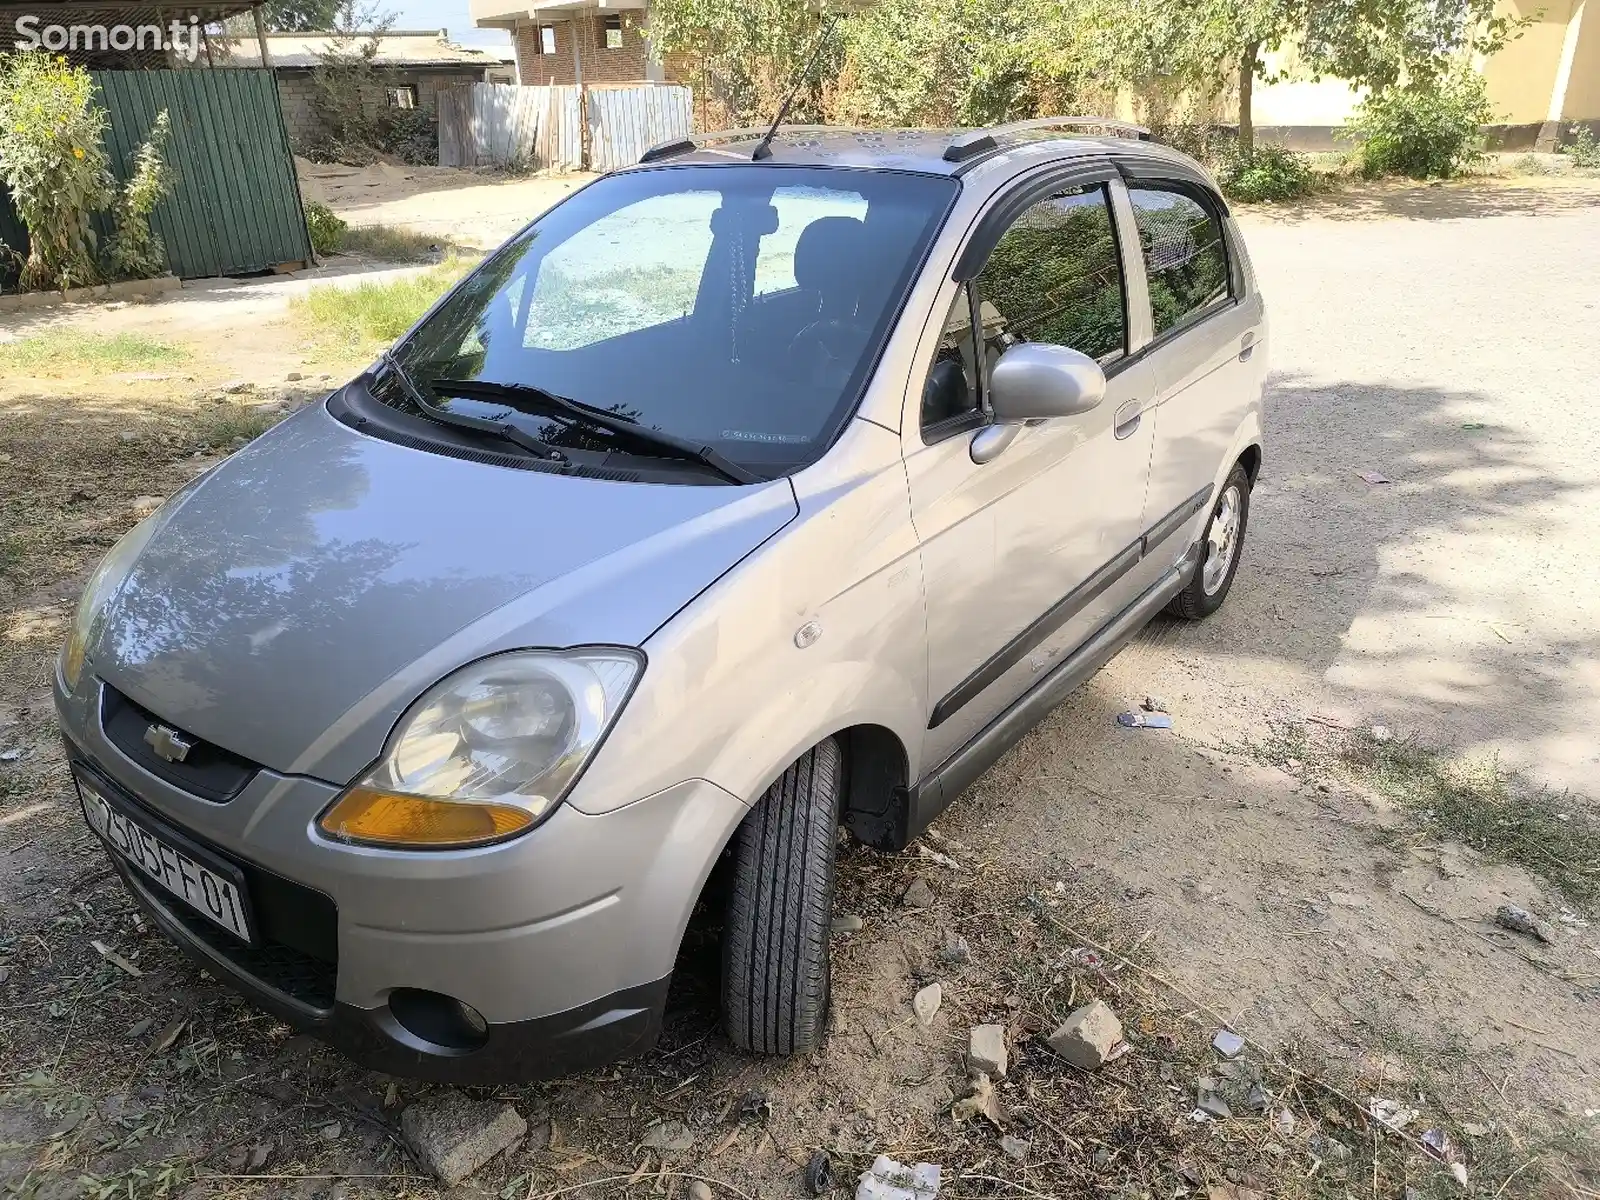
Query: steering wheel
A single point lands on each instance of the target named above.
(825, 348)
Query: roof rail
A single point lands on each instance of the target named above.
(686, 145)
(979, 141)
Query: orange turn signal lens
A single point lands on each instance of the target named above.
(386, 819)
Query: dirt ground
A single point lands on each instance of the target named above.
(1246, 867)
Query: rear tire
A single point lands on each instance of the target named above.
(775, 945)
(1220, 550)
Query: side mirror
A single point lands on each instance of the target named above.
(1037, 382)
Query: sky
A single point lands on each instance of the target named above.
(446, 14)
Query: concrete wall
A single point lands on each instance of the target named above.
(586, 35)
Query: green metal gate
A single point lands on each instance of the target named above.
(235, 207)
(236, 204)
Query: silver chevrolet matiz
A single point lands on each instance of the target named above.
(773, 484)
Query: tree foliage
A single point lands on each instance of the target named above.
(299, 16)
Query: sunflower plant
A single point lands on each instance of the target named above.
(53, 162)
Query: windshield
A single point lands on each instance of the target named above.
(739, 308)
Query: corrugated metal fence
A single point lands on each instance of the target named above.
(625, 122)
(496, 124)
(502, 125)
(235, 206)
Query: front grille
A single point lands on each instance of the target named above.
(208, 771)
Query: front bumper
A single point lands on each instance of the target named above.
(561, 941)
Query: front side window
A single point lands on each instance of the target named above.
(950, 392)
(1185, 256)
(1056, 276)
(741, 307)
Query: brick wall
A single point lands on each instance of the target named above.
(586, 35)
(297, 96)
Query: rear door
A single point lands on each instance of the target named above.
(1025, 530)
(1205, 330)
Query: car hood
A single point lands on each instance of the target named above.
(292, 605)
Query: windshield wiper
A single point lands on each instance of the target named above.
(504, 430)
(526, 398)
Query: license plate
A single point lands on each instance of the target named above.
(212, 890)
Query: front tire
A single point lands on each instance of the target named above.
(1219, 550)
(775, 945)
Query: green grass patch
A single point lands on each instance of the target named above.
(374, 314)
(1554, 834)
(390, 243)
(58, 350)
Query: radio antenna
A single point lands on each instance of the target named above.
(764, 146)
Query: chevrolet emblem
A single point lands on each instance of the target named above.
(168, 743)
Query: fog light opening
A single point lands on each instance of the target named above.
(440, 1019)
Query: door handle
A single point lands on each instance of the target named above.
(1247, 347)
(1127, 419)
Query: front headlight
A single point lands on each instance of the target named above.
(107, 577)
(488, 752)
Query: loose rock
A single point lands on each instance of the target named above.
(1088, 1036)
(1348, 899)
(331, 1132)
(235, 386)
(956, 949)
(453, 1136)
(1155, 704)
(849, 923)
(926, 1003)
(669, 1136)
(5, 973)
(294, 377)
(986, 1050)
(1520, 920)
(1210, 1101)
(918, 895)
(1015, 1147)
(700, 1190)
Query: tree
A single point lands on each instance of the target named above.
(743, 56)
(962, 62)
(1199, 48)
(299, 16)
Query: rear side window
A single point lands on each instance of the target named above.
(1185, 255)
(1055, 276)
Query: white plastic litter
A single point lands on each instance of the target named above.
(890, 1180)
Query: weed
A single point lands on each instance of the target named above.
(10, 553)
(58, 350)
(374, 314)
(1269, 174)
(1530, 164)
(325, 228)
(390, 243)
(1430, 131)
(225, 424)
(1583, 149)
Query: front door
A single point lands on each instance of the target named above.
(1023, 550)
